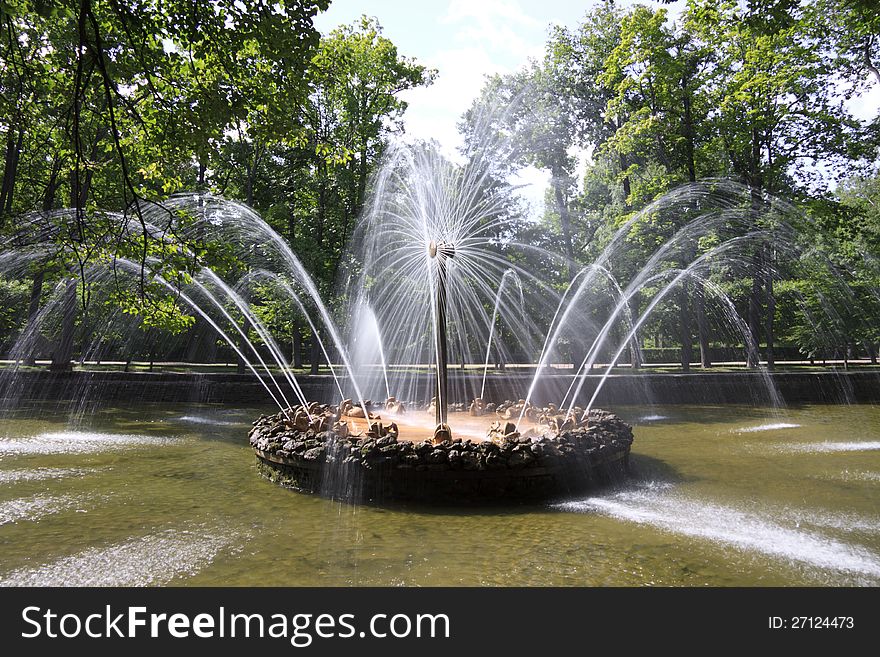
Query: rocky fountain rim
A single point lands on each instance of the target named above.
(375, 466)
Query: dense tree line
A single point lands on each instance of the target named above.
(115, 105)
(749, 91)
(118, 104)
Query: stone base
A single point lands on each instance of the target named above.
(480, 487)
(365, 469)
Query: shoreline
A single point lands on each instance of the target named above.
(749, 387)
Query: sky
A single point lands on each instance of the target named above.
(465, 40)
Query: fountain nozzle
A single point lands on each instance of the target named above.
(441, 249)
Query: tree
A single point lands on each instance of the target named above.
(120, 102)
(313, 188)
(549, 109)
(578, 58)
(132, 91)
(655, 75)
(852, 28)
(777, 112)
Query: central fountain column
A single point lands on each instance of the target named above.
(441, 252)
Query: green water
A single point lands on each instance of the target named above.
(170, 496)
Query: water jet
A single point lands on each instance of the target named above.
(439, 279)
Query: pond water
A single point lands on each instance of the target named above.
(721, 496)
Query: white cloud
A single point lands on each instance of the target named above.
(465, 40)
(489, 12)
(433, 110)
(496, 37)
(485, 37)
(534, 183)
(497, 25)
(866, 105)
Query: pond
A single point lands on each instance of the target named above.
(169, 495)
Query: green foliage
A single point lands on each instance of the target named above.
(116, 105)
(313, 191)
(752, 91)
(13, 305)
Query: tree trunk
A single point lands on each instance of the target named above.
(82, 188)
(296, 345)
(252, 174)
(315, 355)
(558, 183)
(10, 173)
(754, 337)
(33, 310)
(635, 356)
(249, 187)
(64, 350)
(40, 275)
(363, 171)
(291, 227)
(578, 348)
(702, 326)
(688, 134)
(190, 351)
(321, 209)
(699, 294)
(684, 314)
(52, 186)
(769, 334)
(240, 365)
(866, 56)
(83, 192)
(627, 190)
(758, 276)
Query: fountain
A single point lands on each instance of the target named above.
(437, 279)
(424, 232)
(151, 472)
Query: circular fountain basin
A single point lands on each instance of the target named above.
(403, 465)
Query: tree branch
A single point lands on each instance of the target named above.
(869, 64)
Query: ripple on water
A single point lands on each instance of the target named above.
(748, 531)
(846, 475)
(79, 442)
(41, 474)
(34, 508)
(772, 426)
(832, 446)
(150, 560)
(198, 419)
